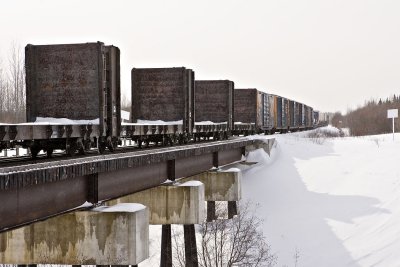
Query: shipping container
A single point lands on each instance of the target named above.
(74, 81)
(215, 101)
(165, 94)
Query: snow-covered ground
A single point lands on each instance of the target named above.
(329, 202)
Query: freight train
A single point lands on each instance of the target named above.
(73, 103)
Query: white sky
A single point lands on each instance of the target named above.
(330, 54)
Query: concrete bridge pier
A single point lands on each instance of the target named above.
(117, 235)
(220, 185)
(175, 203)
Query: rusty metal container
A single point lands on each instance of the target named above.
(165, 94)
(247, 106)
(215, 101)
(74, 81)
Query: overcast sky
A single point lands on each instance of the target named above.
(330, 54)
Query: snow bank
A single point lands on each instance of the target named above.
(335, 204)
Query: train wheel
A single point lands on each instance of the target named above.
(70, 149)
(49, 152)
(34, 151)
(139, 142)
(101, 147)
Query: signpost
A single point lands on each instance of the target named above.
(392, 114)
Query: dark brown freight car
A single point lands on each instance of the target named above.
(214, 101)
(165, 94)
(74, 81)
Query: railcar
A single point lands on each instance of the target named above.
(80, 82)
(214, 105)
(254, 111)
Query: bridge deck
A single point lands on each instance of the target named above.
(35, 191)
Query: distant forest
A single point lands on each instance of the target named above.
(369, 119)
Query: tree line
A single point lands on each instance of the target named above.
(369, 119)
(12, 86)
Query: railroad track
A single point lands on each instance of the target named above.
(61, 156)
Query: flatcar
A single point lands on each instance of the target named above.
(80, 82)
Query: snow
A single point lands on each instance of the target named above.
(125, 115)
(239, 122)
(121, 207)
(209, 123)
(332, 202)
(63, 121)
(191, 183)
(231, 170)
(157, 122)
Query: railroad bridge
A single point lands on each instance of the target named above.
(40, 200)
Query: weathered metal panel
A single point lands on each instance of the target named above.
(74, 81)
(62, 81)
(25, 204)
(269, 111)
(163, 94)
(259, 110)
(291, 114)
(185, 167)
(245, 105)
(279, 112)
(130, 180)
(229, 156)
(215, 101)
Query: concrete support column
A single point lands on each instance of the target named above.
(211, 211)
(180, 203)
(191, 258)
(232, 209)
(166, 246)
(102, 236)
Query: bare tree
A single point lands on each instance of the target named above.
(17, 82)
(12, 87)
(234, 242)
